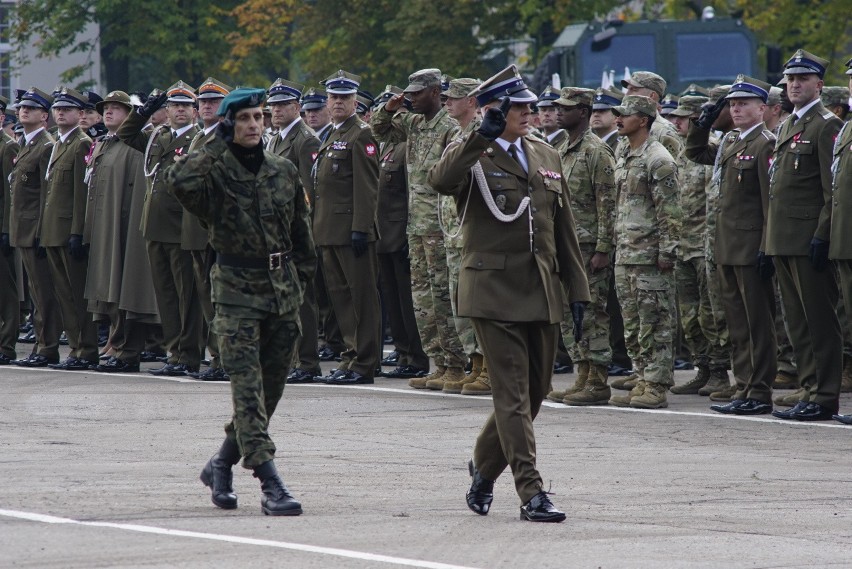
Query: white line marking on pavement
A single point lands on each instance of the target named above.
(362, 556)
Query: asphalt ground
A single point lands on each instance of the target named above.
(101, 470)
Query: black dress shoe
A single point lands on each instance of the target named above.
(788, 414)
(348, 377)
(302, 376)
(116, 365)
(481, 492)
(73, 364)
(845, 419)
(617, 370)
(728, 408)
(28, 338)
(150, 357)
(406, 372)
(326, 354)
(172, 370)
(6, 360)
(541, 509)
(813, 412)
(63, 339)
(392, 359)
(211, 374)
(217, 476)
(562, 368)
(34, 360)
(753, 407)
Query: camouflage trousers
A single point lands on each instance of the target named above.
(256, 348)
(647, 297)
(786, 355)
(705, 330)
(464, 327)
(594, 347)
(430, 293)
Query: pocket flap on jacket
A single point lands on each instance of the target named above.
(484, 261)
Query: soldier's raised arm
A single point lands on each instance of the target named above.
(130, 132)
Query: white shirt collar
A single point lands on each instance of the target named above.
(29, 137)
(338, 125)
(609, 135)
(522, 157)
(64, 137)
(210, 129)
(286, 130)
(550, 137)
(745, 133)
(801, 112)
(179, 131)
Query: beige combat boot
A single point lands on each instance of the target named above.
(724, 394)
(846, 378)
(625, 383)
(719, 381)
(482, 385)
(624, 400)
(692, 386)
(475, 370)
(653, 397)
(596, 391)
(452, 375)
(579, 383)
(790, 399)
(420, 382)
(787, 380)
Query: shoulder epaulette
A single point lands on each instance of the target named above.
(767, 134)
(532, 138)
(827, 115)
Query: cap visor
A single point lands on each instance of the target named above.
(601, 107)
(413, 88)
(619, 110)
(800, 71)
(523, 96)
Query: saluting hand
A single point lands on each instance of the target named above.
(494, 120)
(154, 102)
(394, 103)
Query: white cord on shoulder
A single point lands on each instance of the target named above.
(479, 174)
(154, 135)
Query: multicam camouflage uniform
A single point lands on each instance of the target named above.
(705, 330)
(646, 229)
(430, 287)
(589, 168)
(257, 309)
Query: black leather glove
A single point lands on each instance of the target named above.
(578, 309)
(75, 247)
(818, 254)
(225, 130)
(154, 102)
(41, 252)
(494, 120)
(359, 243)
(709, 114)
(5, 245)
(765, 266)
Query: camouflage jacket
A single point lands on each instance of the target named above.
(695, 184)
(250, 216)
(589, 168)
(646, 224)
(426, 143)
(449, 213)
(663, 132)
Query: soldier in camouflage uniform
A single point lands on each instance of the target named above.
(646, 230)
(589, 169)
(428, 130)
(259, 224)
(705, 330)
(647, 84)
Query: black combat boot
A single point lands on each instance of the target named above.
(276, 500)
(218, 477)
(481, 492)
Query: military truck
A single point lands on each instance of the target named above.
(702, 52)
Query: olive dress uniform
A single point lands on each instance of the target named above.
(346, 187)
(510, 287)
(10, 309)
(799, 211)
(841, 212)
(171, 267)
(64, 216)
(748, 300)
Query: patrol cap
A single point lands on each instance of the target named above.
(282, 91)
(180, 92)
(119, 97)
(363, 102)
(213, 89)
(314, 98)
(342, 83)
(696, 91)
(445, 83)
(386, 95)
(35, 98)
(833, 96)
(69, 98)
(805, 63)
(92, 99)
(4, 102)
(461, 88)
(647, 80)
(547, 97)
(606, 99)
(748, 87)
(505, 83)
(849, 65)
(774, 96)
(718, 92)
(668, 104)
(688, 105)
(423, 79)
(241, 98)
(633, 104)
(573, 96)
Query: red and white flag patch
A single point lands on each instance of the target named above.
(371, 149)
(314, 156)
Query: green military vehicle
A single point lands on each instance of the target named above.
(683, 52)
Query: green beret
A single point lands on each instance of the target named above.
(239, 99)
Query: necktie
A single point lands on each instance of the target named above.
(513, 152)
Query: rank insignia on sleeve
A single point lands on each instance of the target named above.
(371, 149)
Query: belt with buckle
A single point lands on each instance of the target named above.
(271, 262)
